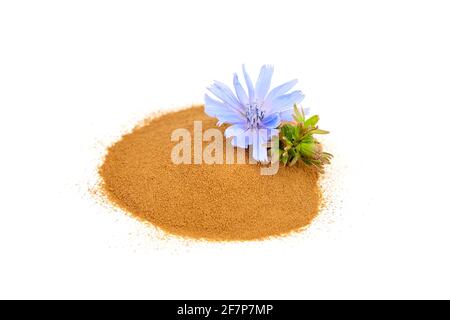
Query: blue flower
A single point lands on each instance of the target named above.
(254, 115)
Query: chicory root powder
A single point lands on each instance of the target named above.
(215, 202)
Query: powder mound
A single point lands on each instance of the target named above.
(213, 202)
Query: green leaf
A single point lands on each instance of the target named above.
(319, 131)
(284, 158)
(287, 131)
(292, 152)
(286, 141)
(296, 133)
(294, 160)
(312, 122)
(298, 116)
(308, 138)
(307, 149)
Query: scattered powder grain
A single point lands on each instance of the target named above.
(213, 202)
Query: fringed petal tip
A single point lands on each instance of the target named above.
(285, 102)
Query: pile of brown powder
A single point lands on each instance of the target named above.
(214, 202)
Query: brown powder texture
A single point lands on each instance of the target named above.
(219, 202)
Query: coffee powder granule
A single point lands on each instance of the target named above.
(214, 202)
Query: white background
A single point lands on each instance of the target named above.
(75, 75)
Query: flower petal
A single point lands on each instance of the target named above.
(263, 83)
(235, 130)
(222, 111)
(248, 81)
(287, 115)
(228, 118)
(225, 94)
(285, 102)
(259, 145)
(240, 92)
(214, 107)
(243, 140)
(271, 121)
(278, 91)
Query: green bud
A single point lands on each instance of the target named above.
(297, 142)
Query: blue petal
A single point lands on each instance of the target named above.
(228, 118)
(235, 130)
(214, 107)
(243, 140)
(240, 92)
(230, 94)
(287, 115)
(266, 133)
(285, 102)
(222, 111)
(248, 81)
(263, 83)
(225, 94)
(271, 121)
(259, 145)
(278, 91)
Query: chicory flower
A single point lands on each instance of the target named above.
(255, 115)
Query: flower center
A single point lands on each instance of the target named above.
(254, 115)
